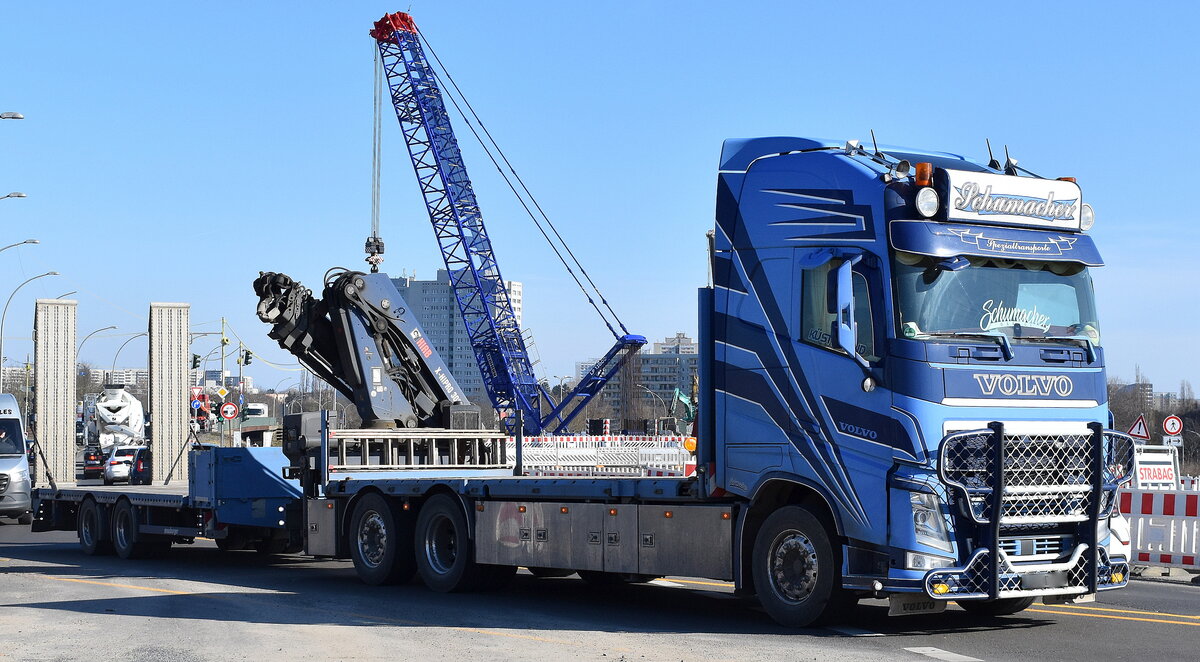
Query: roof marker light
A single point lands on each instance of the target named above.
(1067, 179)
(927, 202)
(1087, 217)
(924, 174)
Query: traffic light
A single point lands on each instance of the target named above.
(195, 361)
(246, 358)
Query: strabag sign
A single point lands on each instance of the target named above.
(981, 197)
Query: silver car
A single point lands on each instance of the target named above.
(119, 464)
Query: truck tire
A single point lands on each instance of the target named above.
(271, 546)
(88, 526)
(381, 542)
(1001, 607)
(125, 538)
(796, 573)
(445, 555)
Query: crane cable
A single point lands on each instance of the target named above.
(528, 193)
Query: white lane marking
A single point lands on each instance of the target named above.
(663, 582)
(855, 632)
(939, 654)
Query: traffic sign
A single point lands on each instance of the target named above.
(1139, 430)
(229, 411)
(1173, 425)
(197, 391)
(222, 392)
(1173, 440)
(195, 404)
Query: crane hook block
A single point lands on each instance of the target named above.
(390, 23)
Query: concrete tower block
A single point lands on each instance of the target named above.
(53, 422)
(169, 362)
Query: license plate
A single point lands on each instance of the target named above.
(911, 604)
(1056, 579)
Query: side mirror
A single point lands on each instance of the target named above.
(845, 332)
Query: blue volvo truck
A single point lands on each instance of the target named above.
(902, 396)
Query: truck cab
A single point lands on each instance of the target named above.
(15, 478)
(906, 342)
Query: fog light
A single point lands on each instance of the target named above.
(1118, 577)
(927, 202)
(917, 561)
(941, 589)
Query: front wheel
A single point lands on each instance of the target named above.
(381, 542)
(1001, 607)
(795, 569)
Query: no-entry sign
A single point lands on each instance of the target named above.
(229, 411)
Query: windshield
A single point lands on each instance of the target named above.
(1026, 300)
(10, 437)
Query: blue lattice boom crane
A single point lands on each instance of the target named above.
(475, 277)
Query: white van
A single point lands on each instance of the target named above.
(14, 463)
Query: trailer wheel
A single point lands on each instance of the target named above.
(125, 537)
(87, 525)
(1001, 607)
(445, 557)
(381, 542)
(795, 569)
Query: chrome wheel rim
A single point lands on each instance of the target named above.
(441, 544)
(85, 530)
(122, 529)
(793, 566)
(372, 539)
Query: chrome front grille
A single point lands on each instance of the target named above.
(1045, 478)
(1030, 548)
(3, 483)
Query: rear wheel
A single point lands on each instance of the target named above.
(381, 542)
(795, 569)
(445, 558)
(126, 541)
(87, 525)
(1001, 607)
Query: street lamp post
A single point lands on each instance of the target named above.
(9, 115)
(118, 353)
(4, 315)
(19, 243)
(666, 411)
(14, 194)
(85, 339)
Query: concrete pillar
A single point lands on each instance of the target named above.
(54, 376)
(169, 360)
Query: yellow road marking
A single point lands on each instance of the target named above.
(140, 588)
(1119, 618)
(691, 581)
(1126, 611)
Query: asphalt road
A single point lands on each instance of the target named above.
(202, 604)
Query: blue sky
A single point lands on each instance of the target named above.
(171, 152)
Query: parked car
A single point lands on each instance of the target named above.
(120, 466)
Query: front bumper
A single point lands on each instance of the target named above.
(975, 580)
(15, 502)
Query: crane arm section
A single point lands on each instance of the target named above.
(475, 277)
(362, 340)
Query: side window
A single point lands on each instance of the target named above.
(816, 320)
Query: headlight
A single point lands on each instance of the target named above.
(927, 202)
(1087, 217)
(21, 476)
(928, 524)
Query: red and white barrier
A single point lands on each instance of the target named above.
(1164, 526)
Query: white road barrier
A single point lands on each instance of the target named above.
(1164, 526)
